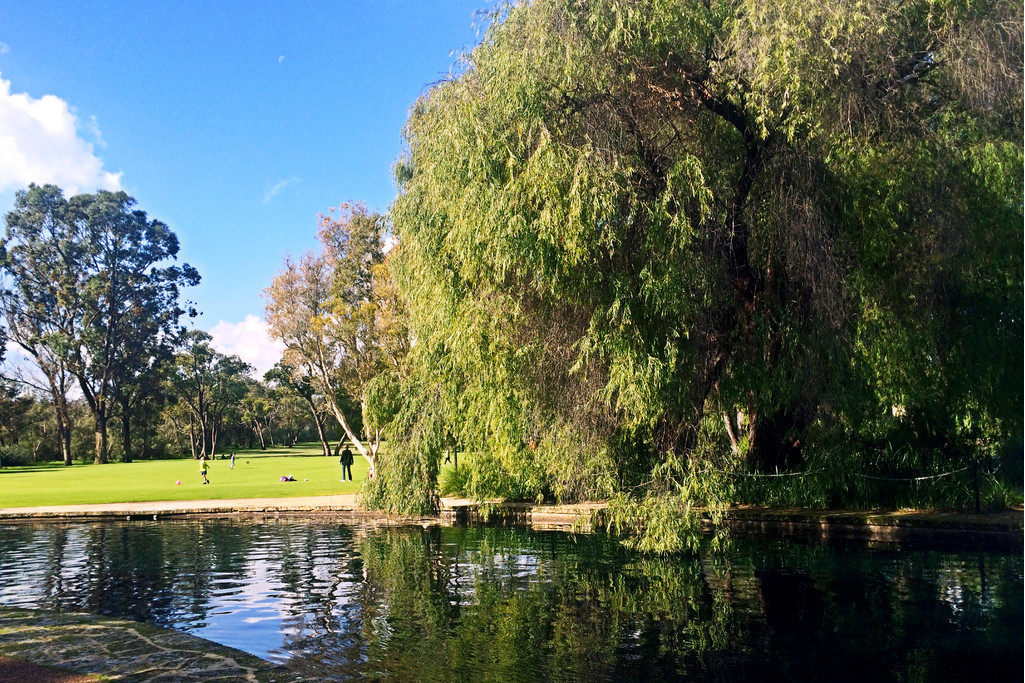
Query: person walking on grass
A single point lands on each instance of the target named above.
(203, 466)
(346, 462)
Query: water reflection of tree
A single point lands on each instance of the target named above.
(470, 604)
(456, 604)
(318, 573)
(116, 569)
(516, 606)
(865, 614)
(35, 558)
(162, 573)
(53, 583)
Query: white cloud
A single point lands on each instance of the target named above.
(40, 143)
(281, 185)
(92, 127)
(249, 341)
(4, 49)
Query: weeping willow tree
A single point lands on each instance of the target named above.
(648, 242)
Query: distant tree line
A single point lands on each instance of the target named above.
(99, 366)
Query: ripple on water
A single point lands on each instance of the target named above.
(337, 602)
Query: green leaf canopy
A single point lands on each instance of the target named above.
(642, 232)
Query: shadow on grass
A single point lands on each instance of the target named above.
(301, 450)
(38, 467)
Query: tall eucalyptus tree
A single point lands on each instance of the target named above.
(209, 384)
(324, 308)
(88, 278)
(37, 299)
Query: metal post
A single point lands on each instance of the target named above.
(975, 476)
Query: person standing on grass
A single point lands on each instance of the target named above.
(346, 461)
(231, 465)
(203, 468)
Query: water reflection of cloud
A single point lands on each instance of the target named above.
(305, 594)
(257, 620)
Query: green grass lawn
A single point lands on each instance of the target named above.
(257, 474)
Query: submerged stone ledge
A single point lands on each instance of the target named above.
(124, 650)
(998, 529)
(1002, 529)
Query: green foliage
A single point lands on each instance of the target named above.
(406, 482)
(381, 400)
(647, 242)
(667, 515)
(88, 293)
(456, 604)
(890, 478)
(453, 481)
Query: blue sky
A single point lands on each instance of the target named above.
(234, 123)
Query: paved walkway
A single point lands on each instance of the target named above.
(165, 508)
(1004, 528)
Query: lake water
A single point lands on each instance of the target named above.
(341, 601)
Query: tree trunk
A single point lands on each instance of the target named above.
(203, 436)
(732, 432)
(324, 445)
(320, 426)
(259, 432)
(369, 455)
(776, 442)
(192, 437)
(60, 409)
(100, 457)
(126, 432)
(64, 434)
(328, 391)
(97, 401)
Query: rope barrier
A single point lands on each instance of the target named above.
(856, 474)
(932, 476)
(778, 474)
